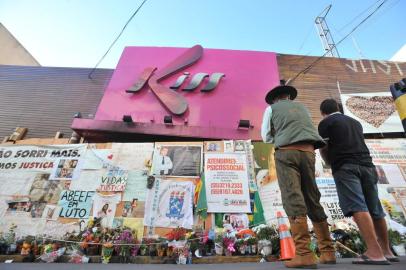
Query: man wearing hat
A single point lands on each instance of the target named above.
(288, 126)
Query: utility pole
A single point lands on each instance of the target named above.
(324, 32)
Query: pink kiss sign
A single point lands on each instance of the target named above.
(202, 93)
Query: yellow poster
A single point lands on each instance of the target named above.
(136, 224)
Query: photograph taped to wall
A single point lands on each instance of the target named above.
(65, 169)
(133, 209)
(228, 146)
(19, 206)
(239, 146)
(213, 146)
(45, 190)
(390, 174)
(177, 160)
(51, 212)
(237, 221)
(264, 163)
(402, 169)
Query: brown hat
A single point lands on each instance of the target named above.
(279, 90)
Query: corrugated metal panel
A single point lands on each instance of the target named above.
(44, 99)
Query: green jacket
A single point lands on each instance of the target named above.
(291, 123)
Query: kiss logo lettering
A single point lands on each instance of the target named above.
(171, 99)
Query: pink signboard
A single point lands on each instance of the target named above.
(212, 90)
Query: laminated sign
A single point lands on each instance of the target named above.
(226, 180)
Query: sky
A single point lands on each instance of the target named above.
(76, 33)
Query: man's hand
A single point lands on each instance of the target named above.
(324, 155)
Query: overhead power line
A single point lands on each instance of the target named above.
(309, 67)
(358, 16)
(118, 36)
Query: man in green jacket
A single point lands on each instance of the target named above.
(288, 126)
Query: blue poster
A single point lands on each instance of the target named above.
(75, 203)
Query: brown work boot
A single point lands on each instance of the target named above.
(304, 258)
(324, 242)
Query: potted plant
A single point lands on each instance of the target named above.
(143, 250)
(241, 246)
(162, 246)
(218, 244)
(268, 239)
(398, 242)
(107, 251)
(252, 244)
(10, 239)
(3, 244)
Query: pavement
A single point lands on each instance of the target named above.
(342, 264)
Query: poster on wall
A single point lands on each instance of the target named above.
(226, 181)
(131, 156)
(18, 184)
(104, 207)
(270, 193)
(169, 204)
(177, 160)
(375, 111)
(88, 180)
(41, 158)
(389, 157)
(136, 187)
(97, 159)
(113, 180)
(391, 204)
(75, 203)
(387, 151)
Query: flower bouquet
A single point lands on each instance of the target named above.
(107, 252)
(124, 241)
(228, 243)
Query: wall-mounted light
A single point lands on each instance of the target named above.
(77, 115)
(168, 120)
(244, 124)
(127, 119)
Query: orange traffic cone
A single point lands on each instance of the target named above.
(287, 247)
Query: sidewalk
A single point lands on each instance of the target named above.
(343, 264)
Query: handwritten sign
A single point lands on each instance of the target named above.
(75, 203)
(114, 180)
